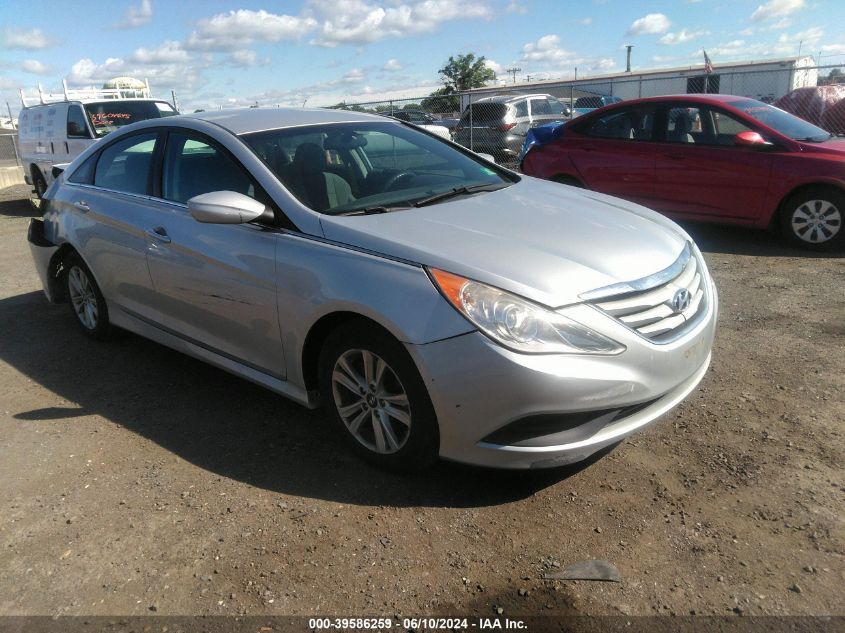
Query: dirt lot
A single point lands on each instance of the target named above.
(136, 480)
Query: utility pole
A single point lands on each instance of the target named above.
(513, 71)
(528, 79)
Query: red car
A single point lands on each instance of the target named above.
(716, 158)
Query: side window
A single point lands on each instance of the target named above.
(555, 106)
(540, 106)
(633, 125)
(702, 126)
(521, 108)
(125, 165)
(193, 166)
(684, 125)
(725, 127)
(76, 125)
(84, 174)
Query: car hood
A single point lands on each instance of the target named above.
(835, 146)
(541, 240)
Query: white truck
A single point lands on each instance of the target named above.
(57, 128)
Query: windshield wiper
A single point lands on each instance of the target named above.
(460, 191)
(370, 210)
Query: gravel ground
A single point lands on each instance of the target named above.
(135, 480)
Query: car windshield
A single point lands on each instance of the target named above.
(357, 168)
(108, 116)
(785, 123)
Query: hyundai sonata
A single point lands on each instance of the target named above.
(435, 303)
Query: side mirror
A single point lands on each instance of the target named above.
(225, 207)
(488, 157)
(750, 139)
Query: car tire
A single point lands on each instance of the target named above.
(383, 411)
(812, 219)
(86, 301)
(38, 183)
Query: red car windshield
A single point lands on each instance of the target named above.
(785, 123)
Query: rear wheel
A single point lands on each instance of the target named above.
(813, 219)
(86, 300)
(374, 393)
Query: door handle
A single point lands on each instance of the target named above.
(82, 205)
(675, 156)
(159, 234)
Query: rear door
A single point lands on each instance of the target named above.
(215, 283)
(108, 202)
(699, 170)
(614, 153)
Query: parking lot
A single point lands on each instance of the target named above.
(135, 480)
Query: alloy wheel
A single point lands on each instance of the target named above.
(83, 297)
(371, 401)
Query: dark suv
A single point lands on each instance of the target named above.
(498, 125)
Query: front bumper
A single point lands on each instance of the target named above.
(480, 389)
(42, 253)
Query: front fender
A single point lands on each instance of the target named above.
(316, 278)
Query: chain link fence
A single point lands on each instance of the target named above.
(9, 155)
(495, 120)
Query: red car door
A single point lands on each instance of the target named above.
(701, 173)
(614, 153)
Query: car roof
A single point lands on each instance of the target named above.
(694, 98)
(509, 98)
(246, 120)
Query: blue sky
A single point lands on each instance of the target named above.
(226, 53)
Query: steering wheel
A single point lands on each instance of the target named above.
(388, 185)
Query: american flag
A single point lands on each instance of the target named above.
(708, 65)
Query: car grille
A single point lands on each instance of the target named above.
(660, 307)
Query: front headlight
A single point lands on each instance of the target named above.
(519, 324)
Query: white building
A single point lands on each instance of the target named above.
(765, 80)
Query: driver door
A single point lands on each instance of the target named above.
(701, 173)
(215, 283)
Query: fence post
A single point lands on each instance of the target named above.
(469, 105)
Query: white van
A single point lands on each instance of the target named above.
(60, 127)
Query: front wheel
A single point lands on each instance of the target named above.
(373, 391)
(813, 219)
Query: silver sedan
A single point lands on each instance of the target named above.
(434, 303)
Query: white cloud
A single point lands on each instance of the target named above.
(586, 21)
(746, 32)
(361, 22)
(163, 76)
(809, 36)
(494, 66)
(236, 29)
(681, 37)
(26, 39)
(137, 16)
(35, 67)
(168, 53)
(649, 24)
(547, 52)
(515, 7)
(392, 65)
(243, 58)
(777, 9)
(783, 23)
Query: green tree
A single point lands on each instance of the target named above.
(441, 101)
(465, 72)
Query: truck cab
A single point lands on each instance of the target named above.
(58, 128)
